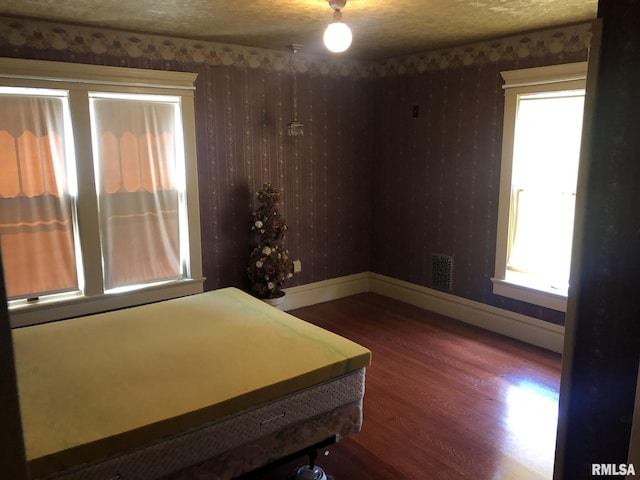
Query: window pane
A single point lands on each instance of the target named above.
(36, 207)
(547, 142)
(545, 169)
(543, 231)
(138, 158)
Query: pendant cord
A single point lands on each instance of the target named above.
(295, 87)
(295, 128)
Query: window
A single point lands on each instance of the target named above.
(37, 195)
(138, 167)
(98, 196)
(540, 156)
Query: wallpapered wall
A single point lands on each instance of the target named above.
(368, 187)
(325, 175)
(437, 177)
(243, 105)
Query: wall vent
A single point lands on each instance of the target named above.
(441, 272)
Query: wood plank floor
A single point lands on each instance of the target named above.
(443, 400)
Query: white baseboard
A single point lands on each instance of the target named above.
(514, 325)
(325, 291)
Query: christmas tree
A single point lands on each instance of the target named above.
(269, 264)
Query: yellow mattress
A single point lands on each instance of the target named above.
(94, 386)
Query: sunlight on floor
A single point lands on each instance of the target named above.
(530, 423)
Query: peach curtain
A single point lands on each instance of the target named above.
(36, 227)
(138, 198)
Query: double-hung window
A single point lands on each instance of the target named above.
(541, 151)
(98, 191)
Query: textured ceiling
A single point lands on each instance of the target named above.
(381, 28)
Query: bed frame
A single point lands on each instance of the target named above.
(208, 386)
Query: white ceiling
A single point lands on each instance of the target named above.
(381, 28)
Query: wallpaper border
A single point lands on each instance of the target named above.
(40, 35)
(81, 40)
(555, 41)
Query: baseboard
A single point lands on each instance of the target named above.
(514, 325)
(325, 291)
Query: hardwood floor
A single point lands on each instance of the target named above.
(444, 400)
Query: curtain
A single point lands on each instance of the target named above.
(135, 147)
(36, 208)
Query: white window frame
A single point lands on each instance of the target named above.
(570, 76)
(79, 80)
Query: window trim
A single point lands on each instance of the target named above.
(571, 76)
(80, 79)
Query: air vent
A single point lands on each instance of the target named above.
(441, 271)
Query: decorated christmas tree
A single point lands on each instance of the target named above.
(269, 264)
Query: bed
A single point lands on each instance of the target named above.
(207, 386)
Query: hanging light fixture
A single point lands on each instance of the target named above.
(337, 36)
(295, 128)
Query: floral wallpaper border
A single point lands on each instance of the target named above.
(41, 35)
(566, 39)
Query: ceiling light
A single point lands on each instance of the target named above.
(337, 36)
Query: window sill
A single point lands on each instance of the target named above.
(530, 292)
(47, 310)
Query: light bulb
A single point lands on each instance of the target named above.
(337, 37)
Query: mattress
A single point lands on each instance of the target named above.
(95, 387)
(221, 440)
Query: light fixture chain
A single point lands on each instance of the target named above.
(295, 128)
(295, 95)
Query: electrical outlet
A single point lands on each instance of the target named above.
(297, 266)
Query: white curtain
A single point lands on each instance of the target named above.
(36, 226)
(136, 147)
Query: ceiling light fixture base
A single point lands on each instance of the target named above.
(337, 4)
